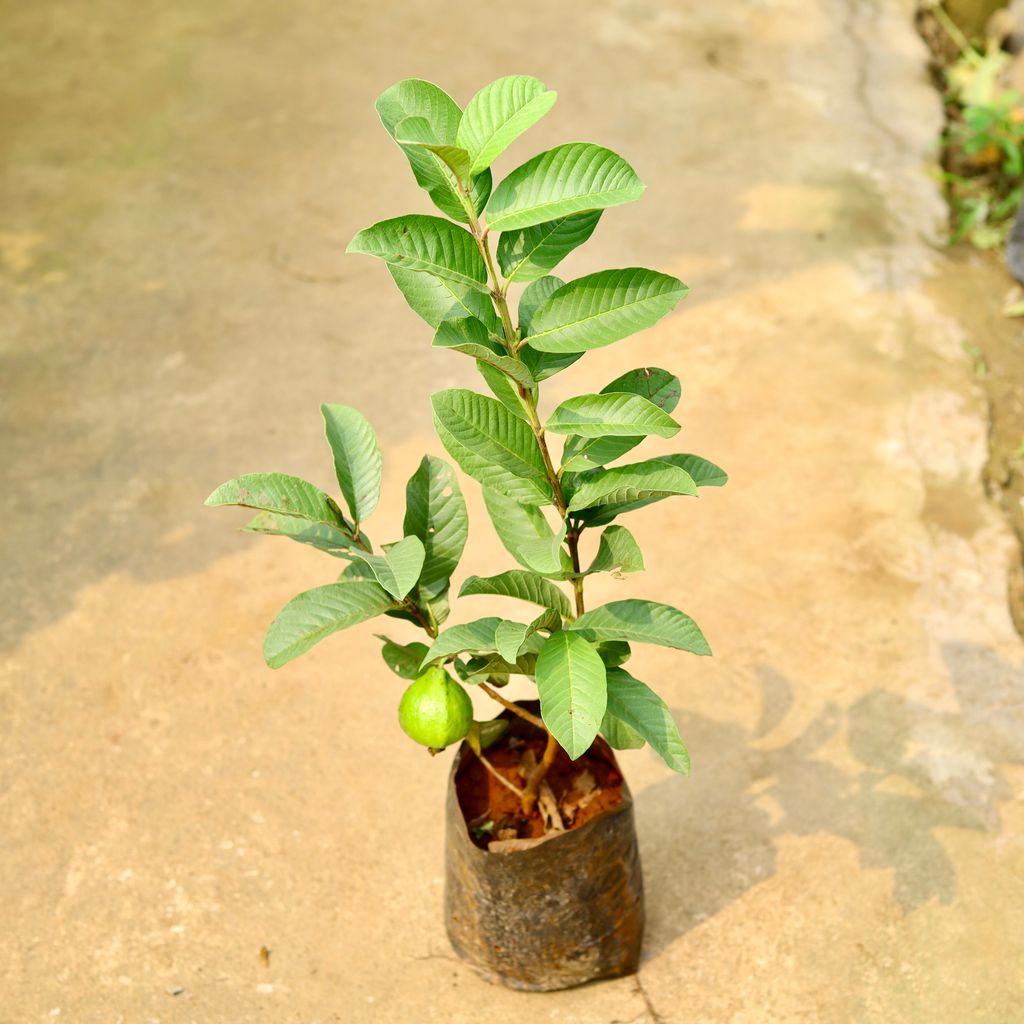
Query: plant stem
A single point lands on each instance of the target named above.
(952, 30)
(501, 778)
(572, 535)
(529, 795)
(514, 708)
(408, 605)
(572, 540)
(529, 403)
(528, 399)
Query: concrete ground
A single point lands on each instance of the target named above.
(179, 182)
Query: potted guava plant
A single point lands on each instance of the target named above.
(544, 888)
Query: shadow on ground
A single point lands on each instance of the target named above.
(920, 770)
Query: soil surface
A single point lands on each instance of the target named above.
(582, 789)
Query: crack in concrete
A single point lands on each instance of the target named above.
(656, 1018)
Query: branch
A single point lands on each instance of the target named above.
(529, 795)
(527, 397)
(514, 708)
(501, 778)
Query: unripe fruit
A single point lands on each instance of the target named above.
(435, 710)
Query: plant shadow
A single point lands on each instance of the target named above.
(920, 769)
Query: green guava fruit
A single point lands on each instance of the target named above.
(435, 710)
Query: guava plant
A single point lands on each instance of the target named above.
(545, 505)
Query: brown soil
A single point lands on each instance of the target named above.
(492, 811)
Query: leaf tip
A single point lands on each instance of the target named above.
(273, 659)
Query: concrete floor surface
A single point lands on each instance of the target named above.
(179, 183)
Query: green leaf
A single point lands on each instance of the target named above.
(639, 707)
(583, 453)
(403, 660)
(571, 684)
(482, 735)
(567, 179)
(549, 620)
(471, 337)
(435, 300)
(321, 536)
(650, 382)
(614, 415)
(416, 131)
(530, 253)
(491, 445)
(644, 622)
(305, 620)
(484, 667)
(546, 555)
(638, 481)
(415, 98)
(534, 296)
(527, 536)
(703, 473)
(357, 571)
(398, 569)
(357, 459)
(498, 114)
(541, 364)
(429, 245)
(617, 552)
(526, 586)
(708, 475)
(657, 386)
(279, 492)
(602, 308)
(477, 637)
(524, 531)
(618, 734)
(614, 652)
(502, 388)
(433, 606)
(435, 511)
(508, 638)
(436, 606)
(491, 731)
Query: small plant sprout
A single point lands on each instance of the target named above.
(983, 158)
(556, 507)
